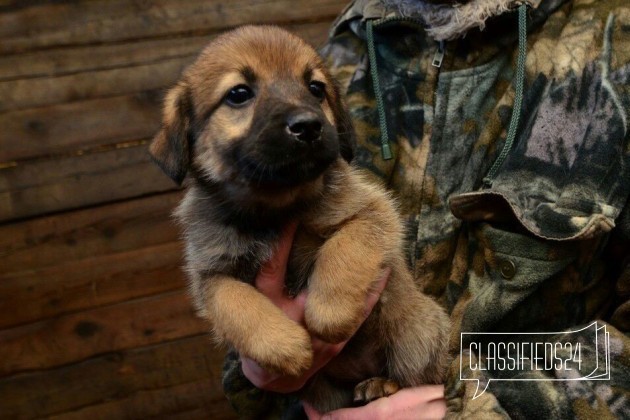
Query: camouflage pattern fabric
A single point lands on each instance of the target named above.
(547, 246)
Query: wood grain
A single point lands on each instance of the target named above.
(75, 126)
(70, 338)
(39, 92)
(41, 187)
(195, 400)
(38, 293)
(106, 21)
(78, 110)
(62, 238)
(115, 376)
(96, 322)
(74, 60)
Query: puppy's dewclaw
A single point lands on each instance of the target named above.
(258, 130)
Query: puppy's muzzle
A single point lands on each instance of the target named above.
(287, 145)
(304, 126)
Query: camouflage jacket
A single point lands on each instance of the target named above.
(544, 244)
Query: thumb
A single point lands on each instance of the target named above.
(375, 291)
(270, 279)
(311, 412)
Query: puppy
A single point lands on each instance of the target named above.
(258, 124)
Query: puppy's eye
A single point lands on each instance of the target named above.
(238, 95)
(317, 89)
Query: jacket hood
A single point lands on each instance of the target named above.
(449, 21)
(442, 21)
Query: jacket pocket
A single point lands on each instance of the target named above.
(519, 282)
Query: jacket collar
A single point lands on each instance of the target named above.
(442, 21)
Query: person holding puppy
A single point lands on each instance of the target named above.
(503, 128)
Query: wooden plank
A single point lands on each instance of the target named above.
(75, 235)
(186, 401)
(41, 187)
(75, 60)
(77, 125)
(106, 106)
(39, 293)
(82, 335)
(38, 92)
(110, 377)
(102, 21)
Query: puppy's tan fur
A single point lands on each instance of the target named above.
(349, 229)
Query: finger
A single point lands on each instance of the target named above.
(361, 413)
(323, 353)
(381, 409)
(422, 393)
(256, 374)
(262, 379)
(423, 402)
(294, 308)
(311, 413)
(375, 291)
(270, 278)
(435, 409)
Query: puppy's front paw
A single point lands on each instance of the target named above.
(374, 388)
(332, 319)
(289, 353)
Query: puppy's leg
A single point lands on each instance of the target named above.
(347, 265)
(256, 327)
(417, 330)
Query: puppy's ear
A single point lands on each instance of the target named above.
(347, 139)
(171, 148)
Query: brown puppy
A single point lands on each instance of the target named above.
(258, 124)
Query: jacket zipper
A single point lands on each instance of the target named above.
(439, 55)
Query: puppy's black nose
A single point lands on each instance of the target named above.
(305, 126)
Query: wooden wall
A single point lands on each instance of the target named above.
(94, 319)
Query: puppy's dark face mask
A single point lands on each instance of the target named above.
(257, 114)
(290, 140)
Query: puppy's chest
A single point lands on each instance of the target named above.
(302, 260)
(300, 266)
(244, 259)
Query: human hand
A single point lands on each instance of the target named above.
(270, 282)
(421, 402)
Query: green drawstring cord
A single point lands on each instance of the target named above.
(382, 118)
(518, 99)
